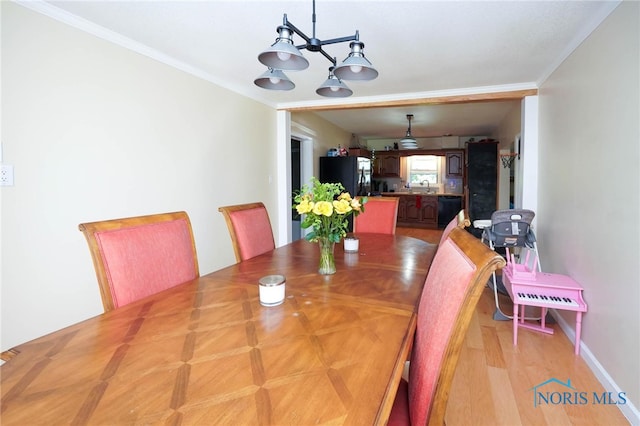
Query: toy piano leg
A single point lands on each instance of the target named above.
(515, 325)
(578, 331)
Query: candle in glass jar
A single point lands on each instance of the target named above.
(272, 290)
(351, 244)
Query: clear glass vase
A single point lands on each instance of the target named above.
(327, 262)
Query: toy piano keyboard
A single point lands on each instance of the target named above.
(527, 287)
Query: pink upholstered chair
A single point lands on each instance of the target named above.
(380, 216)
(250, 229)
(139, 256)
(458, 274)
(461, 220)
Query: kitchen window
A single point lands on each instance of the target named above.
(422, 168)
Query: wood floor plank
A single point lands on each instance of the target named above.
(506, 407)
(474, 334)
(469, 403)
(492, 349)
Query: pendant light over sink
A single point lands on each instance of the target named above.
(408, 142)
(284, 55)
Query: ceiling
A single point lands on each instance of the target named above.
(421, 49)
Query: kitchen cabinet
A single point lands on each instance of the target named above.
(402, 209)
(413, 209)
(429, 211)
(418, 210)
(454, 164)
(359, 152)
(387, 164)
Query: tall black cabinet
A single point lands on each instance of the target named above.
(482, 181)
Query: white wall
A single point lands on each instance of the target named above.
(526, 171)
(324, 135)
(95, 132)
(589, 189)
(509, 127)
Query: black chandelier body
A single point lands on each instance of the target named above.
(283, 55)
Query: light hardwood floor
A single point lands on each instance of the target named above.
(494, 380)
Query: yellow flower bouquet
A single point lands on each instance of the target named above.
(326, 207)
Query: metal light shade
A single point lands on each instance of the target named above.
(356, 66)
(282, 54)
(274, 80)
(408, 140)
(333, 87)
(285, 55)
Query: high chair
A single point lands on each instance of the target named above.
(509, 229)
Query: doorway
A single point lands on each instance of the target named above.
(296, 229)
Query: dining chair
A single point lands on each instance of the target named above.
(139, 256)
(250, 229)
(461, 220)
(458, 275)
(380, 216)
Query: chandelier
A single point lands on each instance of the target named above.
(409, 142)
(283, 55)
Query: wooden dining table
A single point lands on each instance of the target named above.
(207, 352)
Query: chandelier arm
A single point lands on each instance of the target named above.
(326, 55)
(295, 29)
(315, 45)
(340, 39)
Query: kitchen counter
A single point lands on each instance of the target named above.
(397, 194)
(426, 210)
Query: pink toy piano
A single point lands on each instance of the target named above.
(530, 288)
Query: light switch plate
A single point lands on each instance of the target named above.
(6, 175)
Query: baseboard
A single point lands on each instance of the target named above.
(629, 410)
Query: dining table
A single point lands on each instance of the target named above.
(206, 352)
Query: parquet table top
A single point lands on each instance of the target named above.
(207, 352)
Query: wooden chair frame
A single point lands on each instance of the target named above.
(91, 228)
(226, 212)
(463, 219)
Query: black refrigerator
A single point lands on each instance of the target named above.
(354, 173)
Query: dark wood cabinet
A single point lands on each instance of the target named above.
(413, 210)
(387, 164)
(482, 180)
(359, 152)
(402, 209)
(426, 211)
(418, 210)
(454, 164)
(429, 211)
